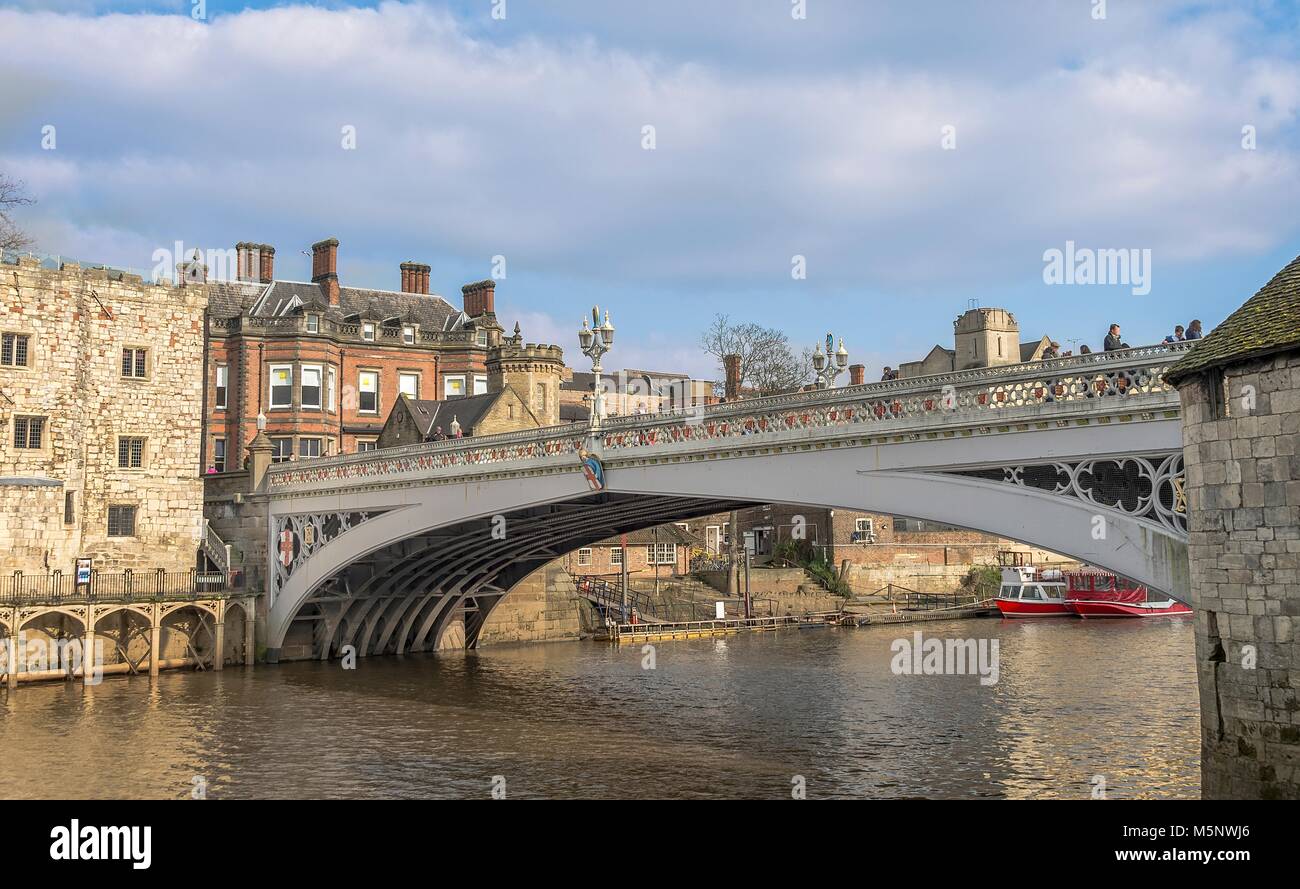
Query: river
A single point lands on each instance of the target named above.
(1077, 703)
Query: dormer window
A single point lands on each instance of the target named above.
(408, 335)
(313, 323)
(481, 337)
(368, 331)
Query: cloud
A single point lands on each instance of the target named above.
(524, 138)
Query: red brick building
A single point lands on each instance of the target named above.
(325, 363)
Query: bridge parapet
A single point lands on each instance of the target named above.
(1100, 384)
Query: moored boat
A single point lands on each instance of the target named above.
(1026, 592)
(1095, 593)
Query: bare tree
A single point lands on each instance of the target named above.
(12, 238)
(767, 363)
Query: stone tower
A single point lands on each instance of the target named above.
(532, 370)
(985, 338)
(1240, 393)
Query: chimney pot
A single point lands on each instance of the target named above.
(857, 374)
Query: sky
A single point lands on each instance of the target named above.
(913, 159)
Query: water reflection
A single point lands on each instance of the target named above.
(736, 717)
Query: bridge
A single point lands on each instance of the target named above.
(388, 550)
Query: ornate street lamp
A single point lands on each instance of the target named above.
(829, 364)
(596, 341)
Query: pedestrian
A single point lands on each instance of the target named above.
(1084, 350)
(887, 375)
(1178, 335)
(1194, 330)
(1113, 341)
(1053, 350)
(438, 434)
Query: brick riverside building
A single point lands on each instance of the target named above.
(101, 407)
(326, 363)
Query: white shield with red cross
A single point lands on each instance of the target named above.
(286, 547)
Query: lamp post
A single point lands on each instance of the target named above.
(595, 342)
(829, 364)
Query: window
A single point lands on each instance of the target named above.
(864, 531)
(121, 521)
(663, 553)
(223, 384)
(281, 385)
(313, 323)
(281, 450)
(408, 335)
(616, 557)
(510, 411)
(219, 454)
(481, 338)
(541, 397)
(13, 349)
(331, 387)
(69, 507)
(135, 363)
(130, 452)
(365, 445)
(584, 557)
(480, 384)
(309, 447)
(368, 331)
(29, 433)
(311, 387)
(453, 387)
(368, 392)
(409, 384)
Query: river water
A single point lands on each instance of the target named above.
(1076, 703)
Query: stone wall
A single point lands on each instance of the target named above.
(1241, 433)
(543, 607)
(77, 322)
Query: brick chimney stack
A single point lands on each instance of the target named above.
(857, 374)
(415, 278)
(731, 387)
(325, 268)
(267, 254)
(480, 298)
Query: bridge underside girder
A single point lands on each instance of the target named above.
(405, 596)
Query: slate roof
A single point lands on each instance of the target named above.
(467, 411)
(571, 413)
(228, 299)
(1268, 322)
(667, 534)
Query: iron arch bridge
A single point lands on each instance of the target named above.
(1081, 456)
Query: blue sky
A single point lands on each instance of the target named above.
(775, 137)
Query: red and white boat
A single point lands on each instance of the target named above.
(1027, 592)
(1095, 593)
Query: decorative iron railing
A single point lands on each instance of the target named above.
(1124, 381)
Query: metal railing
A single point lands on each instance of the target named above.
(1124, 381)
(911, 600)
(608, 597)
(126, 586)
